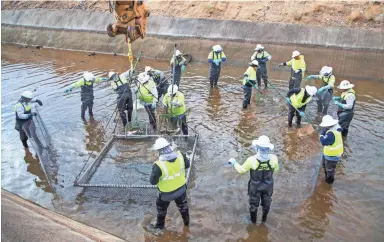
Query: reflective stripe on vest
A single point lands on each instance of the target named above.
(27, 110)
(344, 96)
(296, 99)
(216, 56)
(172, 109)
(173, 174)
(337, 148)
(144, 91)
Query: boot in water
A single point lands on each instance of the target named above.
(253, 217)
(264, 218)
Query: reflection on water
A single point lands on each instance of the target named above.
(351, 209)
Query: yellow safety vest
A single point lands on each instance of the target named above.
(251, 74)
(172, 109)
(172, 174)
(337, 148)
(345, 95)
(27, 108)
(297, 64)
(296, 99)
(214, 56)
(144, 93)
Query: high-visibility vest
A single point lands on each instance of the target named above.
(172, 109)
(297, 99)
(344, 96)
(216, 56)
(144, 93)
(337, 148)
(172, 174)
(251, 72)
(19, 121)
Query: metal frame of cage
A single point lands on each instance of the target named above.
(87, 174)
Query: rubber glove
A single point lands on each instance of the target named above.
(324, 131)
(338, 104)
(262, 61)
(282, 64)
(217, 62)
(322, 89)
(265, 60)
(223, 59)
(135, 90)
(154, 105)
(298, 71)
(310, 77)
(33, 114)
(104, 79)
(182, 68)
(210, 60)
(39, 102)
(232, 161)
(181, 63)
(69, 89)
(336, 98)
(302, 114)
(288, 100)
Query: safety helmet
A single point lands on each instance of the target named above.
(217, 48)
(112, 75)
(147, 68)
(254, 63)
(175, 89)
(27, 94)
(160, 143)
(263, 141)
(295, 53)
(89, 76)
(311, 90)
(143, 77)
(326, 71)
(178, 53)
(345, 85)
(259, 47)
(328, 121)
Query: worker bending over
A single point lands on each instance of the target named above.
(215, 57)
(261, 168)
(324, 94)
(180, 64)
(168, 173)
(159, 78)
(262, 57)
(119, 84)
(86, 84)
(346, 104)
(147, 93)
(332, 141)
(297, 98)
(298, 69)
(175, 103)
(23, 114)
(249, 81)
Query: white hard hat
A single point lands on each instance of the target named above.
(160, 143)
(143, 77)
(326, 71)
(295, 53)
(89, 76)
(263, 141)
(147, 68)
(217, 48)
(345, 85)
(178, 52)
(254, 63)
(259, 47)
(27, 94)
(328, 121)
(111, 74)
(175, 89)
(311, 90)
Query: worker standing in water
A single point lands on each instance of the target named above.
(298, 69)
(324, 94)
(23, 113)
(297, 98)
(168, 173)
(147, 93)
(175, 102)
(261, 166)
(159, 78)
(180, 64)
(86, 83)
(215, 57)
(262, 57)
(119, 84)
(346, 104)
(332, 141)
(249, 81)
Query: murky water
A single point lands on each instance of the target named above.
(304, 207)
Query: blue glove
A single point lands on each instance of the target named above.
(265, 60)
(104, 79)
(288, 100)
(302, 114)
(223, 59)
(217, 62)
(182, 68)
(69, 89)
(324, 131)
(153, 105)
(135, 89)
(310, 77)
(210, 60)
(338, 104)
(336, 98)
(232, 161)
(322, 89)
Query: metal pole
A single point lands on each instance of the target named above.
(174, 69)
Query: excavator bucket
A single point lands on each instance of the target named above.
(131, 19)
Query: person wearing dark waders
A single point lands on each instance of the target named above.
(175, 102)
(324, 94)
(24, 114)
(119, 84)
(147, 93)
(249, 81)
(159, 78)
(346, 104)
(297, 98)
(180, 64)
(215, 57)
(86, 83)
(298, 67)
(333, 149)
(262, 57)
(168, 173)
(261, 166)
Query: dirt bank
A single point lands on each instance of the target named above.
(359, 14)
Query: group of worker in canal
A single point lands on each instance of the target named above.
(168, 172)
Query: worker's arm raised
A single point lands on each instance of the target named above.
(246, 166)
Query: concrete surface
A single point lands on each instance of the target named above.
(22, 220)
